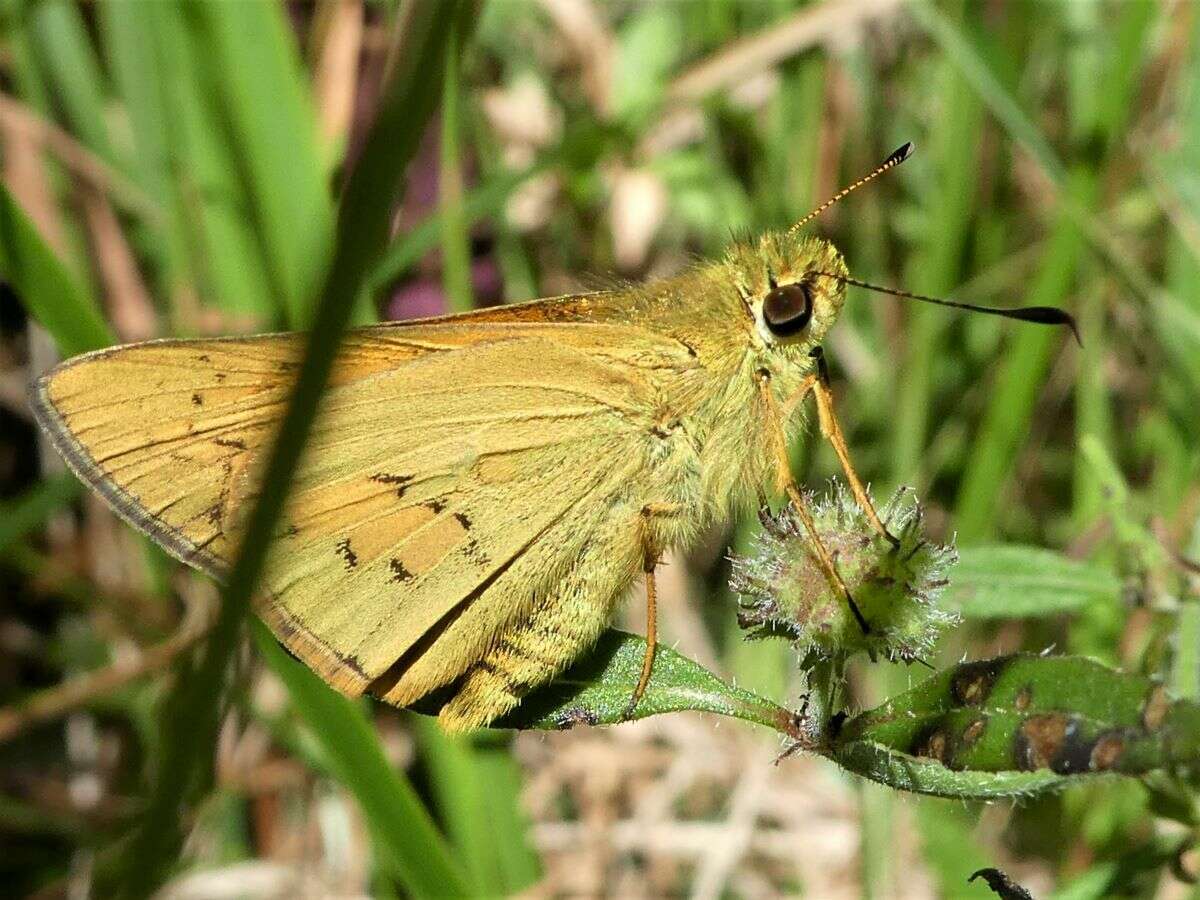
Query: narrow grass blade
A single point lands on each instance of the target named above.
(49, 291)
(477, 785)
(1020, 126)
(191, 712)
(349, 746)
(456, 245)
(985, 83)
(131, 38)
(70, 68)
(935, 268)
(1124, 62)
(1178, 323)
(1022, 374)
(185, 159)
(1093, 408)
(482, 202)
(252, 68)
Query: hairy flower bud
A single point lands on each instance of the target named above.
(785, 592)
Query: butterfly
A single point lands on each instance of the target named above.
(479, 491)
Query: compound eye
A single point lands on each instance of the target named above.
(787, 309)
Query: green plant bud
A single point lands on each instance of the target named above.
(785, 592)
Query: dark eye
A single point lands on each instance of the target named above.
(787, 309)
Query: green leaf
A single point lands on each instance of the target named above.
(1017, 724)
(1010, 582)
(399, 821)
(597, 689)
(44, 284)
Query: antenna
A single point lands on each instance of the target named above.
(1042, 315)
(899, 155)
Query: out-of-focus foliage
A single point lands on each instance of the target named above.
(176, 168)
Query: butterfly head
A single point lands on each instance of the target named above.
(790, 289)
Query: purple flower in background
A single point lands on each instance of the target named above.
(423, 296)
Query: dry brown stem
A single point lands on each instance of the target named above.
(51, 703)
(338, 41)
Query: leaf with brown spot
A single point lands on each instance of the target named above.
(1020, 723)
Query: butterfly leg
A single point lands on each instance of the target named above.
(797, 397)
(784, 474)
(651, 561)
(832, 430)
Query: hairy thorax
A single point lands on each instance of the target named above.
(715, 456)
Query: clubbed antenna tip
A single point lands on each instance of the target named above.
(1042, 315)
(900, 154)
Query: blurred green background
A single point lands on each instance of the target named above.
(176, 168)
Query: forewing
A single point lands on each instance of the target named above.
(164, 430)
(448, 457)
